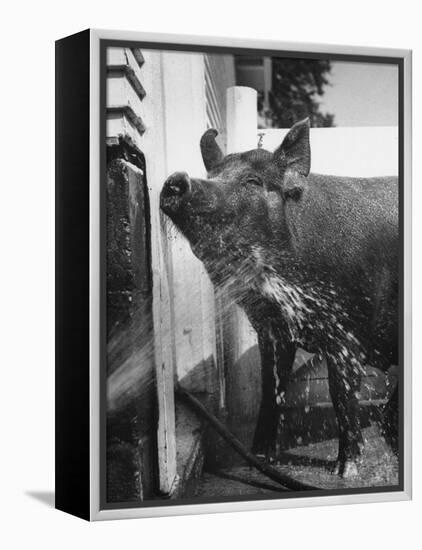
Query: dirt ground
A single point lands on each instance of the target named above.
(310, 464)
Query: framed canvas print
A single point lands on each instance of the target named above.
(233, 274)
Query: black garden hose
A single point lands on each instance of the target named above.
(266, 469)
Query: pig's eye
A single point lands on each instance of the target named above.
(254, 181)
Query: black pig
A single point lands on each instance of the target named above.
(313, 261)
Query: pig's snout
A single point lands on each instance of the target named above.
(175, 190)
(178, 184)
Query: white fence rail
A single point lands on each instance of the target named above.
(353, 151)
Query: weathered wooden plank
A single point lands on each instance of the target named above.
(130, 365)
(154, 147)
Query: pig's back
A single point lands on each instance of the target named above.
(346, 224)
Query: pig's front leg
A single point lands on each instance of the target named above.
(276, 364)
(344, 383)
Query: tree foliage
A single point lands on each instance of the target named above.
(297, 86)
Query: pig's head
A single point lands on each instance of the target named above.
(239, 209)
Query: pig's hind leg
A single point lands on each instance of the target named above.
(277, 360)
(344, 383)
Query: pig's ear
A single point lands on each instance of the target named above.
(211, 152)
(294, 154)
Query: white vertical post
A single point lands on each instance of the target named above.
(242, 377)
(268, 74)
(242, 119)
(242, 124)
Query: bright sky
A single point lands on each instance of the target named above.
(362, 94)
